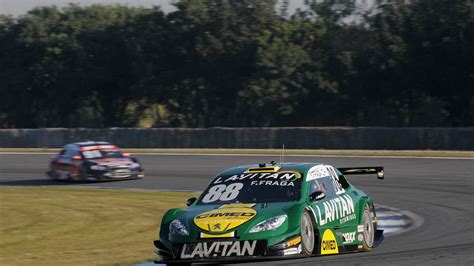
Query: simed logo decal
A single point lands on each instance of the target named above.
(223, 219)
(328, 243)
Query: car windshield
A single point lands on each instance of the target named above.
(96, 154)
(280, 186)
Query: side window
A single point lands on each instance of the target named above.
(75, 151)
(322, 184)
(71, 151)
(314, 186)
(335, 180)
(67, 151)
(343, 181)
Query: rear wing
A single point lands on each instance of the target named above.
(363, 171)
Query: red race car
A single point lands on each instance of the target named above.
(93, 161)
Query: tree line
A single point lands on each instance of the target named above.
(239, 63)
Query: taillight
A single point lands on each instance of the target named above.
(77, 158)
(126, 154)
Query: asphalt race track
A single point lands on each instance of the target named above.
(438, 190)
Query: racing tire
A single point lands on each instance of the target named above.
(369, 228)
(82, 174)
(308, 236)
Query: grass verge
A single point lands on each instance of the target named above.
(374, 153)
(71, 226)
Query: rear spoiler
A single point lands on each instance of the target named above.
(363, 171)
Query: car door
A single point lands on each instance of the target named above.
(354, 194)
(336, 212)
(325, 210)
(346, 230)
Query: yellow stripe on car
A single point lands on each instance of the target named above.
(226, 235)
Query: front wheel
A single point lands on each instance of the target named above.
(369, 230)
(52, 172)
(82, 173)
(307, 234)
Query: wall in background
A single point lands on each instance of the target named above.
(380, 138)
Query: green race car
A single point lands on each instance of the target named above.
(267, 210)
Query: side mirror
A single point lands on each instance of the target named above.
(317, 195)
(190, 201)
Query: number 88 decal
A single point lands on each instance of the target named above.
(222, 192)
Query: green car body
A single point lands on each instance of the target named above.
(303, 209)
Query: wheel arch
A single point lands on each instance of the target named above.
(367, 201)
(314, 220)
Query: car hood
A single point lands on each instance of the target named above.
(227, 217)
(112, 161)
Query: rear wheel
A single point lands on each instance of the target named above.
(369, 228)
(307, 234)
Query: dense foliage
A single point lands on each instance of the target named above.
(240, 63)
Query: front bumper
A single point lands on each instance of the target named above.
(227, 249)
(115, 174)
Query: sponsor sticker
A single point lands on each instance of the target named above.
(294, 241)
(348, 237)
(287, 176)
(360, 228)
(340, 208)
(318, 171)
(329, 243)
(225, 235)
(221, 249)
(223, 219)
(282, 183)
(360, 237)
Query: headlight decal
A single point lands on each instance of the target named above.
(134, 165)
(98, 167)
(177, 228)
(269, 224)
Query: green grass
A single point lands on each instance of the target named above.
(70, 226)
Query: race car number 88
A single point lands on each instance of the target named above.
(222, 192)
